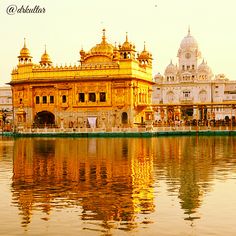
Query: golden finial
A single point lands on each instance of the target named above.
(24, 43)
(126, 37)
(104, 36)
(144, 46)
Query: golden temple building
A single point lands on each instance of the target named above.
(111, 87)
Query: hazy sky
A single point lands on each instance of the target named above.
(66, 26)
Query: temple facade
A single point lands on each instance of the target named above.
(110, 87)
(189, 90)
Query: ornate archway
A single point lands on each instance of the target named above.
(202, 95)
(44, 118)
(124, 118)
(170, 96)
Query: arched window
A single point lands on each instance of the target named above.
(44, 99)
(202, 96)
(64, 99)
(170, 96)
(124, 118)
(37, 100)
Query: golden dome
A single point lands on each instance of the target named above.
(145, 54)
(82, 52)
(127, 45)
(102, 48)
(24, 52)
(45, 59)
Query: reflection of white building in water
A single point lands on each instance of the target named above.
(189, 90)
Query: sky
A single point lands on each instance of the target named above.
(67, 26)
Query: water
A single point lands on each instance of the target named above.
(130, 186)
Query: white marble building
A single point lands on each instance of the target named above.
(6, 115)
(190, 90)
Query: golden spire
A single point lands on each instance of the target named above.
(145, 54)
(24, 43)
(24, 52)
(144, 46)
(45, 59)
(126, 37)
(104, 36)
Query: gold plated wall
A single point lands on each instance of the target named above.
(111, 84)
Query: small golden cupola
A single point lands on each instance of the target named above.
(82, 54)
(24, 56)
(45, 59)
(127, 49)
(145, 58)
(116, 55)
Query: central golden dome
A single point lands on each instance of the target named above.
(102, 48)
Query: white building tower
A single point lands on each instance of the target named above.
(189, 56)
(186, 83)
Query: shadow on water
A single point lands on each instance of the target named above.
(112, 180)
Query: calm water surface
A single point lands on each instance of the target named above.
(130, 186)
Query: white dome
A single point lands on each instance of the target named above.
(188, 42)
(204, 68)
(171, 69)
(158, 77)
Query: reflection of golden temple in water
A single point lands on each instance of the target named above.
(6, 144)
(112, 178)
